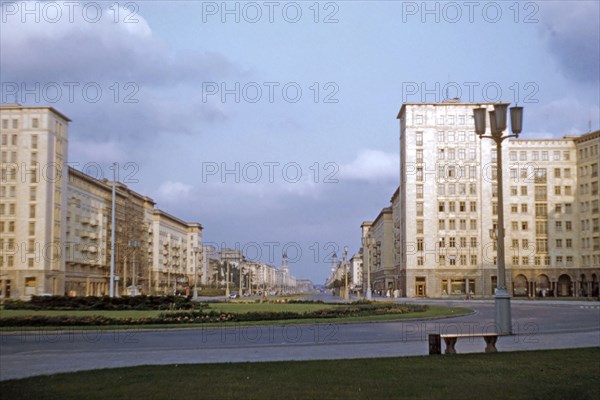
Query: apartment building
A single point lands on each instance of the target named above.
(446, 212)
(55, 221)
(33, 189)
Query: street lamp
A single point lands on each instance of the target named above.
(345, 272)
(196, 251)
(134, 244)
(498, 124)
(367, 243)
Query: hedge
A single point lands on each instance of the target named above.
(200, 316)
(102, 303)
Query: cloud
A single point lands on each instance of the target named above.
(549, 118)
(372, 166)
(170, 192)
(572, 30)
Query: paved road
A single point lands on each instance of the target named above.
(537, 325)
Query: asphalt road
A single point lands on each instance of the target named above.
(536, 325)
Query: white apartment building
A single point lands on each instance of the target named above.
(33, 191)
(55, 222)
(448, 203)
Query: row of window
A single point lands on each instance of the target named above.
(452, 225)
(544, 155)
(35, 123)
(447, 119)
(457, 206)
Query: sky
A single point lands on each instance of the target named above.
(273, 123)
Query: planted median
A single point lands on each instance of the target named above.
(95, 313)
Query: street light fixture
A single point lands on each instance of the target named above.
(134, 244)
(346, 294)
(196, 251)
(498, 124)
(367, 243)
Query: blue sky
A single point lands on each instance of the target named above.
(170, 54)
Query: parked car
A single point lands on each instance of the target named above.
(233, 294)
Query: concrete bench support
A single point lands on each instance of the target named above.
(435, 346)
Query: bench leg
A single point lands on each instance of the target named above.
(450, 342)
(490, 342)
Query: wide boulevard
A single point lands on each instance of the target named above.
(542, 324)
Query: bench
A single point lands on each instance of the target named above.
(435, 342)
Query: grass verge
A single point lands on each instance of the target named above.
(547, 375)
(431, 312)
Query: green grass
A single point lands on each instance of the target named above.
(432, 312)
(543, 375)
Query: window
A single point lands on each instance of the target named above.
(568, 243)
(558, 226)
(544, 156)
(494, 208)
(35, 123)
(473, 224)
(419, 120)
(558, 243)
(524, 226)
(451, 136)
(32, 211)
(420, 244)
(419, 191)
(557, 172)
(34, 141)
(525, 260)
(512, 156)
(451, 206)
(441, 137)
(473, 206)
(463, 224)
(524, 208)
(541, 227)
(419, 209)
(568, 226)
(419, 174)
(535, 156)
(462, 206)
(419, 138)
(442, 224)
(452, 242)
(15, 124)
(420, 226)
(441, 154)
(541, 210)
(515, 260)
(514, 191)
(419, 155)
(522, 156)
(567, 172)
(523, 190)
(514, 208)
(524, 243)
(452, 224)
(557, 190)
(473, 259)
(441, 206)
(556, 155)
(473, 242)
(515, 243)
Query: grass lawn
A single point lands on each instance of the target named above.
(432, 312)
(547, 375)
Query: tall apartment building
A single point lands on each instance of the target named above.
(447, 208)
(55, 221)
(33, 191)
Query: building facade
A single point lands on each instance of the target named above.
(55, 221)
(447, 208)
(33, 200)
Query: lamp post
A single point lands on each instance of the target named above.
(367, 242)
(345, 272)
(498, 124)
(227, 280)
(196, 251)
(134, 244)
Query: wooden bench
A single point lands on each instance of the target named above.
(435, 342)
